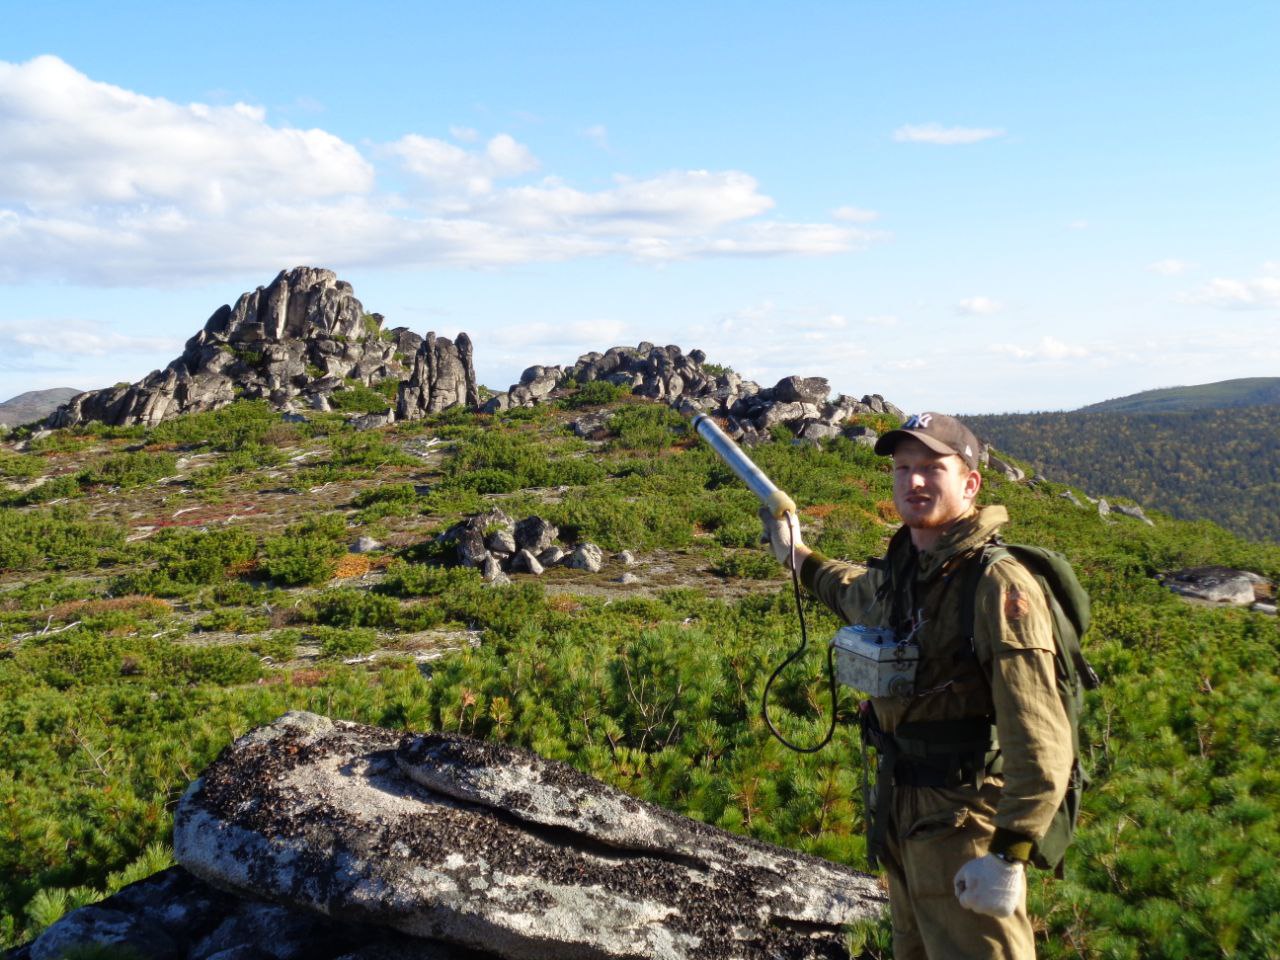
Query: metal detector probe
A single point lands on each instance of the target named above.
(873, 660)
(774, 500)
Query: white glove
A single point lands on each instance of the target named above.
(780, 534)
(991, 886)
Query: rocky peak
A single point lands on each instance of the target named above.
(293, 343)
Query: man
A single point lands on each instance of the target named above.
(980, 752)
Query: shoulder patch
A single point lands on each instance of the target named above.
(1016, 603)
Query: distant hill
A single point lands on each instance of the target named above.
(1216, 464)
(1246, 392)
(34, 405)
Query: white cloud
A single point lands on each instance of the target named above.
(68, 143)
(1078, 225)
(1254, 294)
(979, 306)
(854, 215)
(882, 320)
(442, 163)
(1048, 349)
(936, 133)
(103, 185)
(1170, 267)
(76, 338)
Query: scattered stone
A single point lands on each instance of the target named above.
(1264, 607)
(1134, 511)
(501, 541)
(535, 534)
(471, 548)
(173, 914)
(816, 430)
(551, 556)
(374, 421)
(491, 569)
(365, 545)
(999, 465)
(525, 562)
(802, 390)
(592, 426)
(588, 557)
(1104, 508)
(1071, 498)
(626, 558)
(628, 578)
(1215, 584)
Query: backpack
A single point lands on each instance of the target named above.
(1069, 611)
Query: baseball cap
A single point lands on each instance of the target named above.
(937, 431)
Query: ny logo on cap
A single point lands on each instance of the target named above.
(918, 421)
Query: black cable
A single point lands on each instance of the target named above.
(799, 651)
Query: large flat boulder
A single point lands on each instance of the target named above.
(489, 847)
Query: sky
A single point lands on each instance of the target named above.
(970, 207)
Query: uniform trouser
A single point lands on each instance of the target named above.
(932, 833)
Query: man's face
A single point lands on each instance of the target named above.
(931, 490)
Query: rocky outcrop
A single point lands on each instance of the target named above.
(802, 404)
(331, 839)
(496, 545)
(443, 376)
(1216, 585)
(293, 343)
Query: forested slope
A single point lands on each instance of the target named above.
(1244, 392)
(173, 588)
(1221, 465)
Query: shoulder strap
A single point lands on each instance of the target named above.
(990, 552)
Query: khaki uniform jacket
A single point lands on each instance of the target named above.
(1012, 675)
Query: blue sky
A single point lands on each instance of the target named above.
(968, 207)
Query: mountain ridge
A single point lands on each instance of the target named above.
(1242, 392)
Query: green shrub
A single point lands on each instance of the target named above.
(20, 466)
(367, 450)
(750, 565)
(60, 538)
(341, 643)
(245, 423)
(130, 469)
(595, 393)
(186, 556)
(279, 645)
(55, 488)
(307, 552)
(646, 427)
(357, 398)
(356, 608)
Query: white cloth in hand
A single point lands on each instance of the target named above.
(991, 886)
(780, 533)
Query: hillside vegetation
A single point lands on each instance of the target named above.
(1245, 392)
(1222, 465)
(170, 589)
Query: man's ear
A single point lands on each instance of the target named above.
(972, 484)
